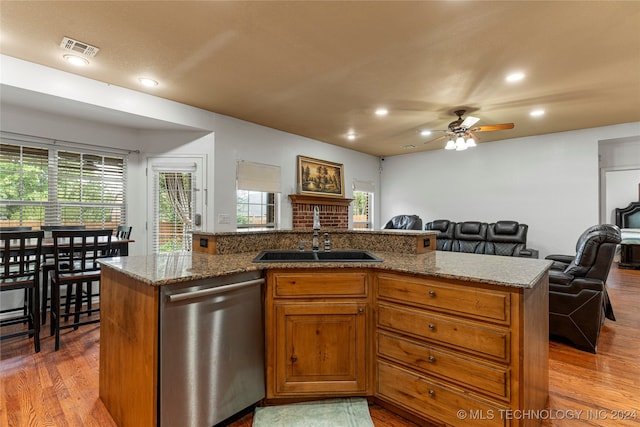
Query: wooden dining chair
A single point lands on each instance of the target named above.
(48, 266)
(76, 263)
(21, 257)
(19, 228)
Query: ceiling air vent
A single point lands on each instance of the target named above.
(79, 47)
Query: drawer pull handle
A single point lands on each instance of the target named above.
(432, 293)
(432, 359)
(432, 326)
(361, 310)
(432, 392)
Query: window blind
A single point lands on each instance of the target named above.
(364, 186)
(258, 177)
(61, 187)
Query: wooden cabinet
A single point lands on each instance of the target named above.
(318, 333)
(444, 346)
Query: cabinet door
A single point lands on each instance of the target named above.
(320, 348)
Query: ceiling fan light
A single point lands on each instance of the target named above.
(450, 145)
(471, 142)
(460, 144)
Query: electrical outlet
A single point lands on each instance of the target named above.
(223, 219)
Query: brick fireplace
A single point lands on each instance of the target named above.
(334, 212)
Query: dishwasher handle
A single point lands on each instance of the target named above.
(213, 291)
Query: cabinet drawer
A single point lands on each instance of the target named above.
(444, 296)
(432, 360)
(436, 401)
(320, 284)
(475, 338)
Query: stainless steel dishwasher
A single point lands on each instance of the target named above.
(211, 349)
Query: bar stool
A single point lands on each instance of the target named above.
(21, 257)
(48, 266)
(76, 255)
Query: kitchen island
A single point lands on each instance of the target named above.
(428, 333)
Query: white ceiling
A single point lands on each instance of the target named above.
(320, 69)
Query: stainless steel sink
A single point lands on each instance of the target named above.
(306, 256)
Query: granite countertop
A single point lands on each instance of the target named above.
(164, 269)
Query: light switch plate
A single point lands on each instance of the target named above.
(223, 219)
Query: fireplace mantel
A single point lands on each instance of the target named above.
(305, 199)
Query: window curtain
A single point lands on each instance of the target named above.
(179, 192)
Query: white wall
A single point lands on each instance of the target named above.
(238, 140)
(549, 182)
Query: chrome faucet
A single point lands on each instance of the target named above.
(316, 229)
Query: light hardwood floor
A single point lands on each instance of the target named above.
(61, 388)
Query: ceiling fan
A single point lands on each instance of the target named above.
(462, 132)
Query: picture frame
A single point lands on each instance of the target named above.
(320, 177)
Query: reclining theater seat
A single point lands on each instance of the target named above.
(507, 238)
(470, 237)
(578, 299)
(560, 262)
(444, 238)
(404, 222)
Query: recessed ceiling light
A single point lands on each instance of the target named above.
(351, 136)
(382, 112)
(515, 77)
(76, 60)
(148, 82)
(537, 113)
(425, 132)
(408, 146)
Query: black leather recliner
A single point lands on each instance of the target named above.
(578, 299)
(404, 222)
(444, 238)
(470, 237)
(507, 238)
(560, 262)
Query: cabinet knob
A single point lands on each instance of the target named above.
(361, 310)
(294, 359)
(432, 293)
(432, 326)
(432, 359)
(432, 392)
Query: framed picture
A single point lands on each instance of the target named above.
(320, 178)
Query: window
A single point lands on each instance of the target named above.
(257, 186)
(61, 186)
(255, 209)
(362, 208)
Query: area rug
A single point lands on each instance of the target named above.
(349, 412)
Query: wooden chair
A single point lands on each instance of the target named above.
(19, 228)
(21, 257)
(48, 266)
(76, 255)
(124, 231)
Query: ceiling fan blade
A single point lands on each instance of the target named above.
(469, 121)
(436, 139)
(487, 128)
